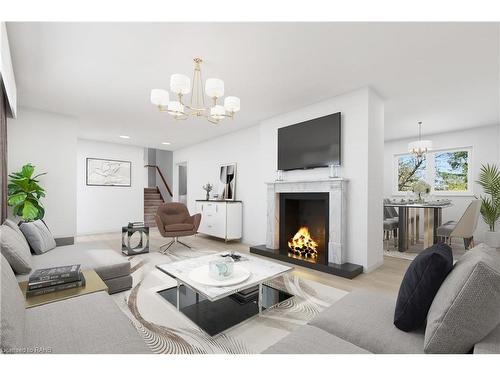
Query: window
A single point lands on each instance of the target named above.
(452, 171)
(447, 171)
(410, 171)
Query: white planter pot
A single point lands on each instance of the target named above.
(492, 239)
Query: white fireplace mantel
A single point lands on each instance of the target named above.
(336, 187)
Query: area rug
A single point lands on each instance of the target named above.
(165, 330)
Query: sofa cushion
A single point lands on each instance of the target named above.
(15, 249)
(38, 236)
(490, 344)
(420, 284)
(364, 319)
(88, 324)
(16, 229)
(312, 340)
(12, 312)
(107, 263)
(179, 227)
(466, 307)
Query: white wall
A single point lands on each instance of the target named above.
(48, 141)
(203, 161)
(103, 209)
(485, 144)
(255, 152)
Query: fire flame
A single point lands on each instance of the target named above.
(302, 244)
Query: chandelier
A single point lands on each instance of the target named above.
(421, 147)
(181, 85)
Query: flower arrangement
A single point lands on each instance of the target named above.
(421, 187)
(208, 188)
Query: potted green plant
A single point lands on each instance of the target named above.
(489, 179)
(24, 194)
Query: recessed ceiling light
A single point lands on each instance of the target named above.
(165, 143)
(124, 136)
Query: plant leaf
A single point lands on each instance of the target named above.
(27, 170)
(16, 199)
(30, 212)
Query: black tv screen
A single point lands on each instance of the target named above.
(310, 144)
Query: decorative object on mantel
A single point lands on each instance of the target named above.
(334, 171)
(208, 188)
(421, 187)
(227, 177)
(421, 147)
(181, 85)
(24, 194)
(489, 179)
(108, 172)
(279, 175)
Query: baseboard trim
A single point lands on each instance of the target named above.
(65, 241)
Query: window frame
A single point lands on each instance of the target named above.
(430, 172)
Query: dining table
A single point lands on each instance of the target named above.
(409, 220)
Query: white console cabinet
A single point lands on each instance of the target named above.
(221, 219)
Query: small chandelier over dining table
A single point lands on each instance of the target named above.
(421, 147)
(181, 85)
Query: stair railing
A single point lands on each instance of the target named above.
(161, 176)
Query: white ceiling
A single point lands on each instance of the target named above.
(445, 74)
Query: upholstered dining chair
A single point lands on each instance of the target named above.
(174, 221)
(391, 220)
(464, 228)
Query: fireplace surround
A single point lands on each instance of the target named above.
(335, 257)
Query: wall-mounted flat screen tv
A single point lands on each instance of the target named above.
(310, 144)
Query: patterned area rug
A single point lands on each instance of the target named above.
(165, 330)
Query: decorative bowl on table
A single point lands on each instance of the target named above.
(221, 269)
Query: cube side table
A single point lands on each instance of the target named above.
(143, 245)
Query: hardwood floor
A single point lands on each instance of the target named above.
(386, 278)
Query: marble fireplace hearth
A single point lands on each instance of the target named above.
(335, 248)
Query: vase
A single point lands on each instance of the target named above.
(208, 196)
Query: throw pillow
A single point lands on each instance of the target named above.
(420, 284)
(38, 236)
(15, 227)
(12, 310)
(15, 249)
(466, 307)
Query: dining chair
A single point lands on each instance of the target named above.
(391, 221)
(465, 226)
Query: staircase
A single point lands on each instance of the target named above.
(152, 200)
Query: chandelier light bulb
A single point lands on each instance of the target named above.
(214, 88)
(160, 97)
(180, 84)
(232, 103)
(217, 112)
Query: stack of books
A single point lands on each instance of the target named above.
(49, 280)
(136, 224)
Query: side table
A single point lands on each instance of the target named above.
(93, 284)
(143, 245)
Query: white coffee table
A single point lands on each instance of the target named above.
(215, 309)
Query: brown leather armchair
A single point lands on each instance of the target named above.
(173, 220)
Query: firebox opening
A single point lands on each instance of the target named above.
(304, 226)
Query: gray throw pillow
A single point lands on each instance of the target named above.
(14, 226)
(15, 249)
(38, 236)
(12, 313)
(467, 306)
